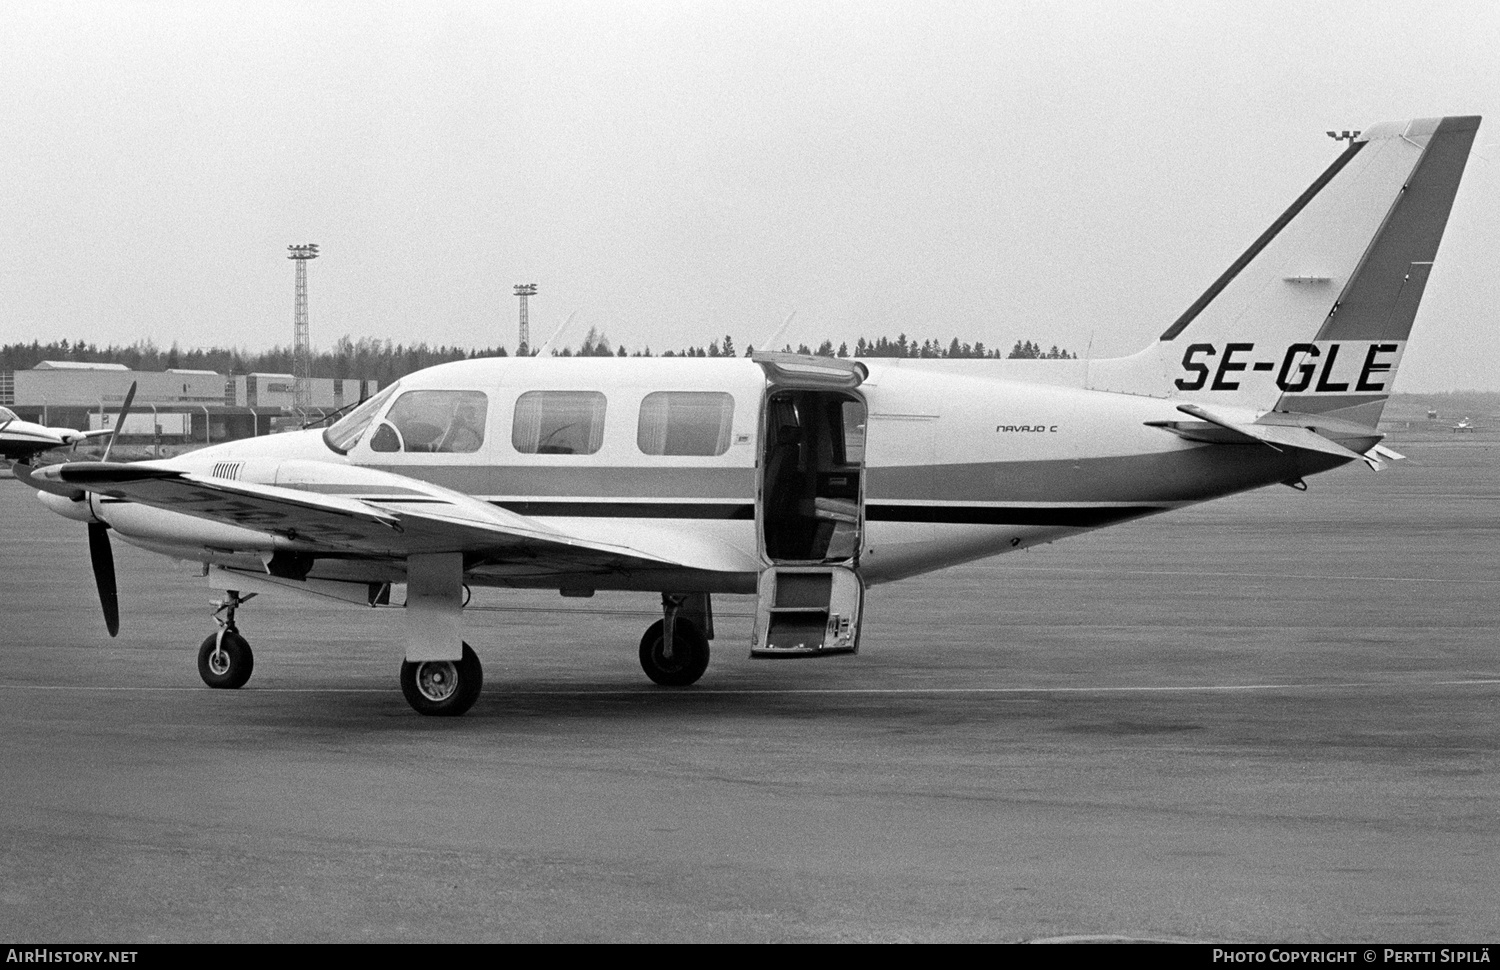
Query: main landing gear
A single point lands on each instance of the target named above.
(674, 651)
(225, 659)
(442, 688)
(438, 688)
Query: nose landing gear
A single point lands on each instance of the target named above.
(224, 659)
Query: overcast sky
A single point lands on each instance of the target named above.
(1065, 172)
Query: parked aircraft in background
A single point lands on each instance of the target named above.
(1464, 424)
(21, 440)
(801, 480)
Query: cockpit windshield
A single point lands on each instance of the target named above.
(6, 414)
(346, 432)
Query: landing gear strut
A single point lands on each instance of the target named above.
(674, 651)
(225, 660)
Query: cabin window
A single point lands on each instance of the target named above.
(558, 423)
(346, 432)
(685, 423)
(450, 422)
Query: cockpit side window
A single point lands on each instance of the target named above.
(346, 432)
(445, 422)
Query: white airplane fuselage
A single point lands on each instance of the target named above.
(959, 463)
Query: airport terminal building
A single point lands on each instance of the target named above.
(172, 406)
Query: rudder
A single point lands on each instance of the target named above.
(1374, 314)
(1314, 316)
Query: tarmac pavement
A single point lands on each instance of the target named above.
(1268, 719)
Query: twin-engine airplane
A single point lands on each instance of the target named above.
(23, 440)
(801, 480)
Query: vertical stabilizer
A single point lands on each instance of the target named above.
(1314, 316)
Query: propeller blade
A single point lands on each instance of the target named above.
(119, 423)
(103, 559)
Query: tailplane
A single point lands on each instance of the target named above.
(1313, 318)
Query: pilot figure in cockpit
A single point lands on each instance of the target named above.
(465, 431)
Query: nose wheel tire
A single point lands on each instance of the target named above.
(689, 654)
(225, 662)
(442, 688)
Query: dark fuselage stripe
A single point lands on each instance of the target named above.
(1012, 515)
(634, 510)
(874, 512)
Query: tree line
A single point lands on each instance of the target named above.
(383, 360)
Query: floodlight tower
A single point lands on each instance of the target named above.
(301, 339)
(523, 290)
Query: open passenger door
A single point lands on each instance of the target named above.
(810, 507)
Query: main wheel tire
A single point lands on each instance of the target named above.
(229, 666)
(689, 654)
(442, 688)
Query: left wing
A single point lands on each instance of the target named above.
(352, 512)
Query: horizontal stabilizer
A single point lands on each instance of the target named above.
(1280, 437)
(1377, 456)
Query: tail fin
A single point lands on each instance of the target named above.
(1313, 318)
